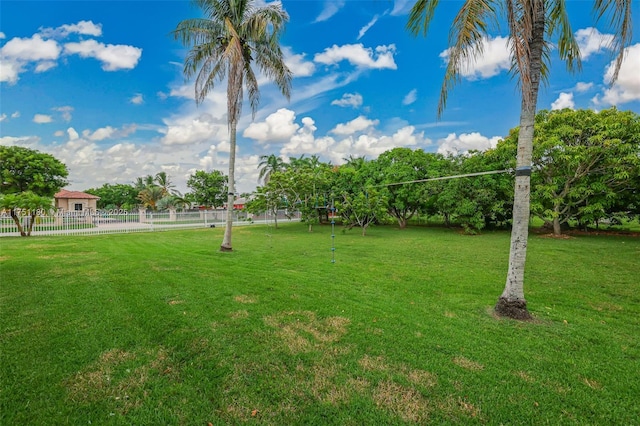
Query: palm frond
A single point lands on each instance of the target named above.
(421, 16)
(468, 31)
(620, 20)
(568, 49)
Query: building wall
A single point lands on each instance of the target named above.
(69, 204)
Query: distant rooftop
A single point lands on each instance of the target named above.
(75, 195)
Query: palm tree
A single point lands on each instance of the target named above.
(143, 182)
(531, 24)
(269, 164)
(164, 182)
(150, 196)
(233, 35)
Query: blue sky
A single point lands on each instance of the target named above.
(99, 85)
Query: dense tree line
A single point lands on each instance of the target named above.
(158, 192)
(585, 171)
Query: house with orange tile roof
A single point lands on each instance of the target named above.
(75, 201)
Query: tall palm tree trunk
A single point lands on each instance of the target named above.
(226, 240)
(512, 303)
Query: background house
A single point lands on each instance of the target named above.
(75, 201)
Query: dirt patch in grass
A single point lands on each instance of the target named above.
(422, 378)
(243, 298)
(524, 376)
(606, 306)
(369, 363)
(303, 331)
(242, 314)
(405, 402)
(118, 377)
(556, 237)
(467, 364)
(591, 383)
(456, 406)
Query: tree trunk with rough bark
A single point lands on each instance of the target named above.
(226, 240)
(512, 303)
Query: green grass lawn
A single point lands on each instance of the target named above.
(163, 329)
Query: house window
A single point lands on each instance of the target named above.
(78, 207)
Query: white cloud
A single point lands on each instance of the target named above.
(454, 144)
(18, 52)
(82, 27)
(186, 130)
(137, 99)
(356, 125)
(161, 95)
(45, 66)
(2, 36)
(495, 59)
(330, 8)
(9, 70)
(297, 64)
(65, 112)
(366, 28)
(277, 127)
(113, 56)
(591, 41)
(58, 133)
(42, 118)
(31, 49)
(401, 7)
(109, 132)
(73, 135)
(627, 87)
(582, 87)
(353, 100)
(358, 55)
(99, 134)
(410, 97)
(4, 117)
(25, 141)
(565, 100)
(43, 51)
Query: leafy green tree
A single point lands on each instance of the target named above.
(25, 204)
(28, 181)
(531, 24)
(310, 183)
(395, 168)
(208, 188)
(357, 199)
(584, 163)
(23, 169)
(233, 35)
(115, 195)
(271, 197)
(479, 201)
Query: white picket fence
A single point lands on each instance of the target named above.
(90, 222)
